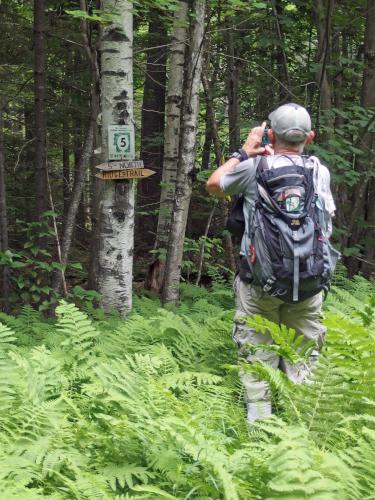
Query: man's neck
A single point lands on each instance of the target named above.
(286, 151)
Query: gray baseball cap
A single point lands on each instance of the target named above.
(291, 122)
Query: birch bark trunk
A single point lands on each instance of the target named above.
(155, 274)
(193, 69)
(116, 203)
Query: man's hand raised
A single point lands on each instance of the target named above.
(253, 142)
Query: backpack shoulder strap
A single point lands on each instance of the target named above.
(262, 164)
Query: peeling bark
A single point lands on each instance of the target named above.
(186, 157)
(171, 142)
(116, 204)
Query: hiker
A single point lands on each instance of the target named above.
(286, 260)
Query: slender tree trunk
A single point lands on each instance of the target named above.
(152, 132)
(208, 137)
(223, 204)
(282, 61)
(233, 84)
(66, 136)
(4, 271)
(323, 18)
(340, 190)
(75, 198)
(116, 205)
(211, 121)
(155, 274)
(203, 245)
(66, 166)
(365, 165)
(368, 101)
(83, 158)
(41, 191)
(186, 157)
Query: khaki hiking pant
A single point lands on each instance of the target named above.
(304, 317)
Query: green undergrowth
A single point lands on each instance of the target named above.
(151, 407)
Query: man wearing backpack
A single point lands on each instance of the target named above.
(286, 259)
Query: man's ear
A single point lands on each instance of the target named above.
(310, 137)
(271, 136)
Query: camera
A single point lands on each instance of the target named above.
(265, 138)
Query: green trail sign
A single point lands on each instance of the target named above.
(121, 142)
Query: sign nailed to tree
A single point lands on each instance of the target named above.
(121, 142)
(128, 173)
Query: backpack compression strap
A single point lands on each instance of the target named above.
(295, 267)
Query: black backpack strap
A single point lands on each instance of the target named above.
(295, 271)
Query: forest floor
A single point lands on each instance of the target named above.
(151, 406)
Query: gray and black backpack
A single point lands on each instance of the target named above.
(288, 253)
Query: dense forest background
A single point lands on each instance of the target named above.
(250, 57)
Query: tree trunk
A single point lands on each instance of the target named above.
(152, 132)
(233, 84)
(4, 272)
(223, 203)
(282, 61)
(155, 274)
(66, 166)
(116, 203)
(186, 157)
(368, 101)
(323, 18)
(203, 245)
(75, 198)
(83, 157)
(41, 191)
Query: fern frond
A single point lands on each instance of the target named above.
(80, 335)
(7, 337)
(124, 475)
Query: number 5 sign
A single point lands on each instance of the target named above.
(121, 142)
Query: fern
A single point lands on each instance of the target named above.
(151, 407)
(7, 337)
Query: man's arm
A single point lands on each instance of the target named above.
(252, 147)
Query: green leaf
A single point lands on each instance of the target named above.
(57, 265)
(76, 265)
(154, 489)
(260, 5)
(17, 265)
(290, 7)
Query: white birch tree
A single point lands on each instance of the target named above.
(116, 198)
(187, 152)
(171, 139)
